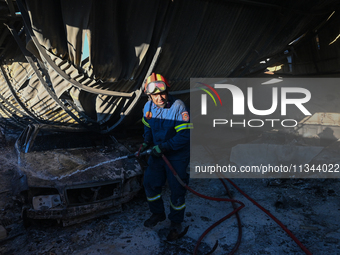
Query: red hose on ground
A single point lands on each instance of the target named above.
(210, 198)
(239, 225)
(233, 212)
(273, 217)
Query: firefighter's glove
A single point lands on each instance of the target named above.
(144, 146)
(157, 151)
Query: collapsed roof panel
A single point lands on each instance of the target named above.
(130, 39)
(318, 52)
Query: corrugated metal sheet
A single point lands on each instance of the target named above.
(228, 38)
(318, 52)
(128, 39)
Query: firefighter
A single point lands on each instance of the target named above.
(166, 131)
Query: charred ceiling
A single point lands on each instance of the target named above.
(44, 77)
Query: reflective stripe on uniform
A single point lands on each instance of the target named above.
(177, 208)
(184, 126)
(150, 199)
(145, 123)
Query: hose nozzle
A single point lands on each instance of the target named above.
(147, 152)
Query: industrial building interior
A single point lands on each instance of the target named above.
(75, 70)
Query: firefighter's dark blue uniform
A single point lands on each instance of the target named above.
(168, 127)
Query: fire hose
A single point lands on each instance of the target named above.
(236, 209)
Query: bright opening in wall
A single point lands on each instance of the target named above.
(85, 48)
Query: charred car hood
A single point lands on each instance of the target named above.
(76, 166)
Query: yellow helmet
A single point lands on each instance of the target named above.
(155, 83)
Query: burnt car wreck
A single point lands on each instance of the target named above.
(62, 181)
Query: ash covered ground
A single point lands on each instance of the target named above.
(310, 209)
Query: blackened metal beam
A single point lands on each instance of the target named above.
(11, 7)
(41, 79)
(9, 17)
(56, 68)
(88, 119)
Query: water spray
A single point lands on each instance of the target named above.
(133, 155)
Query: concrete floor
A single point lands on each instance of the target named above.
(309, 208)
